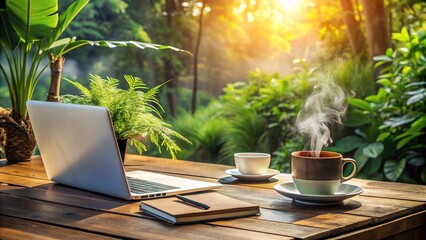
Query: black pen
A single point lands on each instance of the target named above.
(201, 205)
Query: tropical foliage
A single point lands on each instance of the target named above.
(257, 115)
(355, 75)
(135, 114)
(25, 33)
(206, 130)
(389, 127)
(30, 33)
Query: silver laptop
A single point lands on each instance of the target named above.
(78, 148)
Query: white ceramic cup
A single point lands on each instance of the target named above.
(252, 163)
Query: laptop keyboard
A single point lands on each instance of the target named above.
(140, 186)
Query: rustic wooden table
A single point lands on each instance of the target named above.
(31, 207)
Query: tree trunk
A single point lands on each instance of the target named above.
(378, 35)
(55, 79)
(358, 10)
(355, 35)
(197, 49)
(168, 66)
(170, 94)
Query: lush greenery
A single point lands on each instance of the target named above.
(134, 113)
(260, 114)
(354, 75)
(28, 32)
(257, 115)
(388, 140)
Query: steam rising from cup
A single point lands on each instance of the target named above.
(326, 105)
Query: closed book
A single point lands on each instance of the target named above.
(176, 211)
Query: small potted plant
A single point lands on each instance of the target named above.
(134, 113)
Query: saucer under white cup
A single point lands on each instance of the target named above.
(252, 178)
(252, 163)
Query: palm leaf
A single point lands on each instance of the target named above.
(8, 36)
(57, 47)
(32, 19)
(65, 19)
(114, 44)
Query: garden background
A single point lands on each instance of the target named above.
(254, 63)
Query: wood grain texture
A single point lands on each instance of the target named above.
(21, 181)
(415, 233)
(216, 171)
(113, 205)
(15, 228)
(116, 225)
(279, 228)
(372, 188)
(386, 230)
(27, 184)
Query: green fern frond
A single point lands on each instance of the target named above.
(103, 90)
(150, 95)
(80, 87)
(135, 83)
(139, 145)
(71, 99)
(134, 113)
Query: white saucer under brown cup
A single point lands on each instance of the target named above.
(319, 175)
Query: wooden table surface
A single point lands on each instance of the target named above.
(32, 207)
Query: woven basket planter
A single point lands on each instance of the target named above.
(2, 140)
(20, 141)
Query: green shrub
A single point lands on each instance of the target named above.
(219, 130)
(257, 115)
(182, 100)
(354, 75)
(281, 158)
(389, 126)
(276, 99)
(205, 129)
(245, 132)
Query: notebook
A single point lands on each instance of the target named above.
(78, 148)
(175, 211)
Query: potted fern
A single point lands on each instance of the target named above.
(134, 113)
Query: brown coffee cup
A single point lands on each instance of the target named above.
(319, 175)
